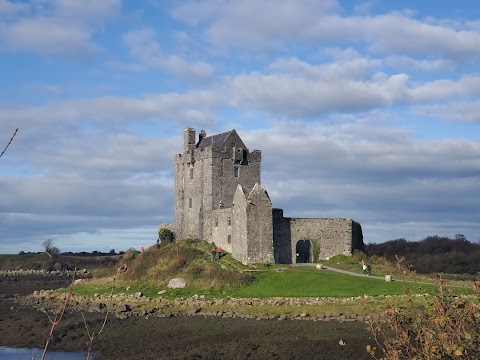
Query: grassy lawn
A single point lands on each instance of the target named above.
(310, 282)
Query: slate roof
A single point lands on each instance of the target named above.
(218, 140)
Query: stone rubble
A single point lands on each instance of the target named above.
(124, 306)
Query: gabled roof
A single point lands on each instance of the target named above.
(217, 139)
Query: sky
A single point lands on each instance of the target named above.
(367, 110)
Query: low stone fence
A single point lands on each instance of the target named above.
(136, 305)
(84, 273)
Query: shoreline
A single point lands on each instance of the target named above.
(178, 336)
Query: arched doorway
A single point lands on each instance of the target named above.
(303, 250)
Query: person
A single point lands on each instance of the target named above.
(219, 251)
(364, 268)
(369, 269)
(142, 249)
(214, 255)
(158, 243)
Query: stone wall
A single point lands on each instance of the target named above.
(253, 229)
(333, 235)
(222, 228)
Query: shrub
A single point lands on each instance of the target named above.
(315, 249)
(448, 328)
(165, 235)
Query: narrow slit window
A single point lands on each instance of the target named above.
(229, 239)
(216, 222)
(191, 173)
(235, 171)
(190, 203)
(229, 221)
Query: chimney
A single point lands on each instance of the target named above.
(188, 139)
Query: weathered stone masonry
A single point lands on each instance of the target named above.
(218, 198)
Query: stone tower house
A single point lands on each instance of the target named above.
(218, 198)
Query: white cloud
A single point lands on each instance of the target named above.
(60, 27)
(408, 63)
(460, 111)
(192, 107)
(233, 24)
(12, 8)
(468, 85)
(87, 11)
(145, 49)
(295, 88)
(51, 37)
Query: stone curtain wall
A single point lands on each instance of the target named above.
(334, 235)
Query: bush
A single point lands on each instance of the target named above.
(165, 235)
(448, 328)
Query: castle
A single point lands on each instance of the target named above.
(218, 198)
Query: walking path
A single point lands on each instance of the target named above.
(351, 273)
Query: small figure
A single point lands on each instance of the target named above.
(158, 243)
(214, 255)
(364, 268)
(219, 251)
(369, 269)
(142, 249)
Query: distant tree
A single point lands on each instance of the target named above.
(49, 249)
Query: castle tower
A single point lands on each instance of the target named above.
(207, 174)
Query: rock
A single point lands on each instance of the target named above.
(193, 310)
(78, 282)
(177, 283)
(124, 308)
(161, 292)
(319, 266)
(342, 343)
(138, 294)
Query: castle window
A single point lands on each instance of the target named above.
(190, 203)
(191, 173)
(233, 143)
(229, 221)
(229, 239)
(235, 171)
(216, 222)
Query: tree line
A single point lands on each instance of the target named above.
(432, 254)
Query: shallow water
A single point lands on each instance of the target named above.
(29, 354)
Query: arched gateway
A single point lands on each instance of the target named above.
(303, 251)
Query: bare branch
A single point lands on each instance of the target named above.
(93, 336)
(15, 133)
(59, 314)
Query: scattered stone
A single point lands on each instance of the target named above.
(177, 283)
(342, 343)
(138, 294)
(161, 292)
